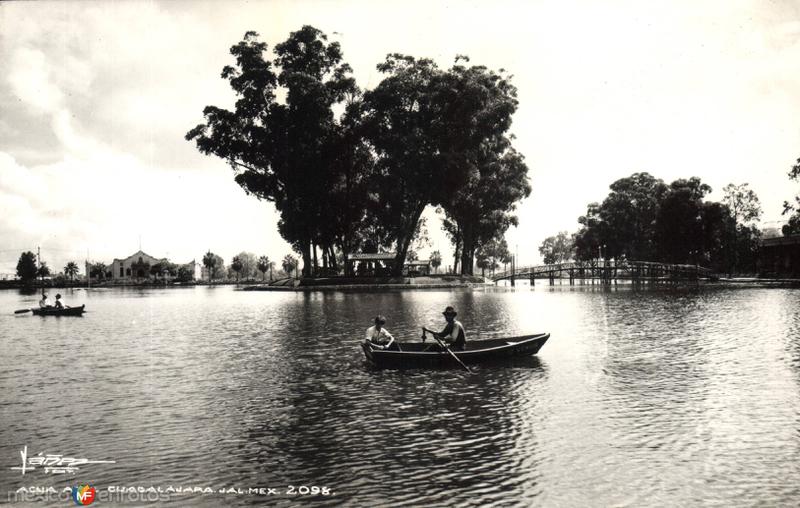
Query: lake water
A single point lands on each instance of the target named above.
(639, 398)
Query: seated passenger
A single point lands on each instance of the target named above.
(378, 336)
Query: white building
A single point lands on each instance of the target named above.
(139, 266)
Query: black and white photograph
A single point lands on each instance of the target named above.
(359, 253)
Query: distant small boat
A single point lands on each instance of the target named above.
(54, 311)
(417, 354)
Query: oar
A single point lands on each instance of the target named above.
(446, 348)
(22, 311)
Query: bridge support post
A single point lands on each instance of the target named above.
(552, 281)
(571, 277)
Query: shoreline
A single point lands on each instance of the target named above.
(407, 284)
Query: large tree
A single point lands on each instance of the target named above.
(793, 226)
(439, 137)
(745, 211)
(679, 222)
(629, 214)
(557, 249)
(26, 266)
(283, 150)
(623, 225)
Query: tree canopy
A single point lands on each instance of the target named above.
(557, 249)
(353, 171)
(26, 266)
(643, 218)
(792, 227)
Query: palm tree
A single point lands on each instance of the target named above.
(263, 265)
(436, 260)
(209, 261)
(237, 266)
(71, 270)
(288, 263)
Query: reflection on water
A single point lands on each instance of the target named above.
(658, 398)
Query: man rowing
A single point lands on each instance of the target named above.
(453, 333)
(377, 336)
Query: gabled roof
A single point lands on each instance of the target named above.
(138, 254)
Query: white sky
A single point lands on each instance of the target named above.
(95, 99)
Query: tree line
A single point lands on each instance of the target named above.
(352, 170)
(645, 219)
(244, 265)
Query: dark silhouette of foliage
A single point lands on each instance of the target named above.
(793, 226)
(71, 270)
(26, 266)
(284, 151)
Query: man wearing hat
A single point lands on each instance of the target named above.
(378, 336)
(453, 333)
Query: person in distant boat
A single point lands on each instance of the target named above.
(453, 334)
(59, 304)
(378, 336)
(43, 302)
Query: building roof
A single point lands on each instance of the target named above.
(380, 256)
(419, 262)
(781, 240)
(136, 255)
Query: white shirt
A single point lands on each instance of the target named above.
(378, 336)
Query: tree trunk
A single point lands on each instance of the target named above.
(467, 251)
(404, 241)
(457, 253)
(306, 253)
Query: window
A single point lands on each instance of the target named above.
(128, 272)
(121, 273)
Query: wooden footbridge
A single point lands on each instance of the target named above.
(608, 272)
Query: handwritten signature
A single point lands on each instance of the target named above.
(54, 463)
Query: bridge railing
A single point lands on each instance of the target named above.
(611, 264)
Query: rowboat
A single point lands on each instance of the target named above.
(427, 354)
(54, 311)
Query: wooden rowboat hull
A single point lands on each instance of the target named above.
(52, 311)
(413, 354)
